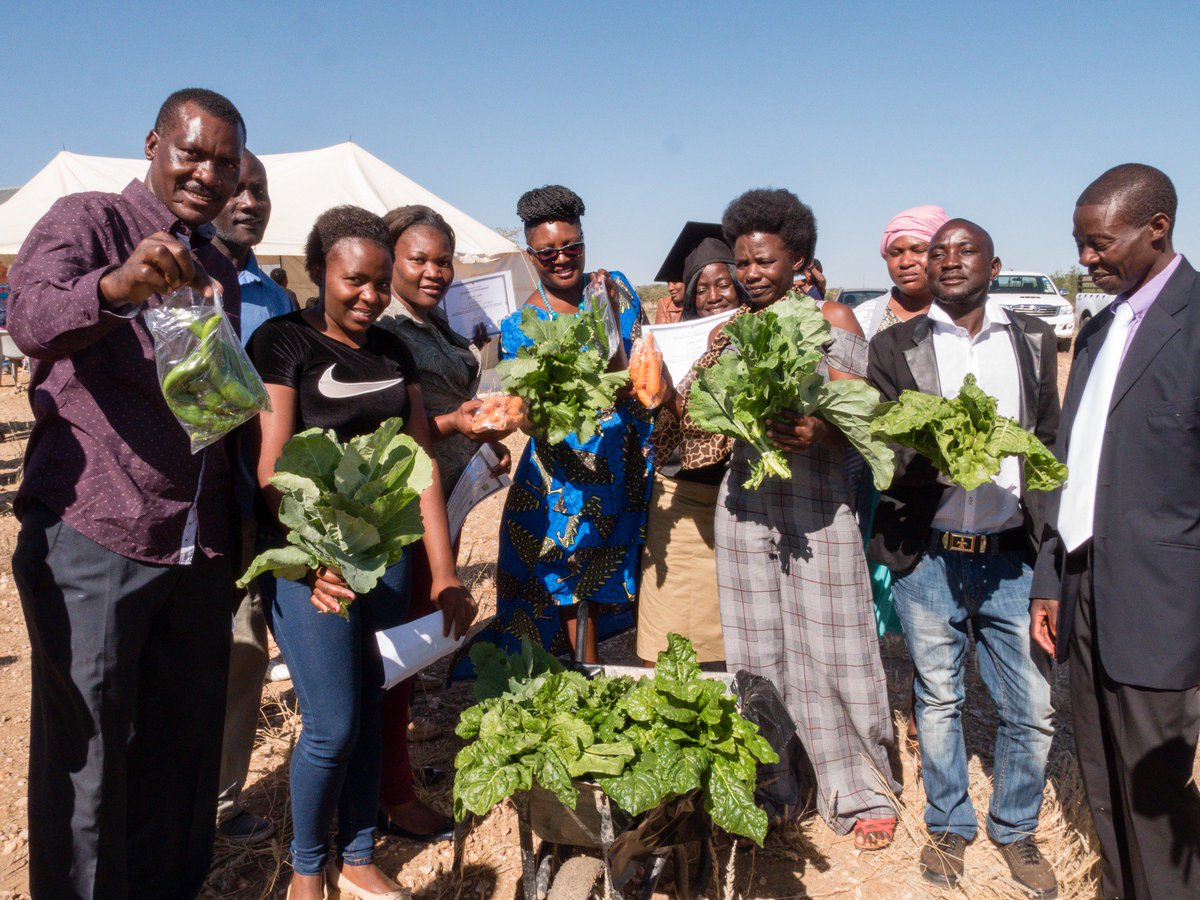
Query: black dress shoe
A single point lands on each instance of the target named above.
(246, 827)
(386, 825)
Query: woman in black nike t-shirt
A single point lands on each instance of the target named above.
(330, 367)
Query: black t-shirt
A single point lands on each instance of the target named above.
(349, 389)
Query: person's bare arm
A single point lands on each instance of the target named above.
(447, 593)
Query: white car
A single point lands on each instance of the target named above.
(1034, 294)
(1090, 303)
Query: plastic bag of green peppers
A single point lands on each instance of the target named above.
(207, 379)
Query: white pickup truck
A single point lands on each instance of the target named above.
(1088, 304)
(1034, 294)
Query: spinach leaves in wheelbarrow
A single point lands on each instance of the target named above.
(643, 742)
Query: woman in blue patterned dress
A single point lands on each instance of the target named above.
(575, 517)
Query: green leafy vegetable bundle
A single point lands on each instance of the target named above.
(965, 439)
(352, 507)
(561, 376)
(642, 742)
(774, 368)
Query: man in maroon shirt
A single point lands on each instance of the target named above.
(122, 561)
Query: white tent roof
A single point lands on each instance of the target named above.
(303, 185)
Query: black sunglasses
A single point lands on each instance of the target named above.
(550, 254)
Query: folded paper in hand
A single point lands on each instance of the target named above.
(413, 646)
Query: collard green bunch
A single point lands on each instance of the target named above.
(773, 368)
(561, 375)
(352, 507)
(642, 742)
(965, 439)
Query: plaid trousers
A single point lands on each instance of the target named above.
(796, 608)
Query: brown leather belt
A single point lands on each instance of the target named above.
(999, 542)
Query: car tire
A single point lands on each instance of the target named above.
(1064, 344)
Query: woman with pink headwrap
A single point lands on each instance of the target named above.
(904, 245)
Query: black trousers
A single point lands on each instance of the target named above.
(129, 672)
(1136, 747)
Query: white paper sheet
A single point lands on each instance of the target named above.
(485, 298)
(475, 485)
(413, 646)
(682, 343)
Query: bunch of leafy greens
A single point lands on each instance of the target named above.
(561, 375)
(642, 742)
(352, 507)
(965, 439)
(773, 368)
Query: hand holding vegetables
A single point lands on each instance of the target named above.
(769, 373)
(350, 510)
(965, 439)
(561, 375)
(330, 593)
(498, 413)
(792, 433)
(159, 264)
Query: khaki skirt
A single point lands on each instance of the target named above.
(679, 571)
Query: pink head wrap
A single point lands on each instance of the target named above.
(920, 222)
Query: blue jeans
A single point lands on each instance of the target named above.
(338, 677)
(935, 601)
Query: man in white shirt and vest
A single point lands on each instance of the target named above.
(962, 560)
(1117, 582)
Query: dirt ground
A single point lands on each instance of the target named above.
(804, 860)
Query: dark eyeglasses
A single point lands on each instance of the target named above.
(550, 254)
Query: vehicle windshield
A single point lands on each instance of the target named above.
(853, 298)
(1023, 284)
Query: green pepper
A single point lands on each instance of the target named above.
(195, 415)
(235, 392)
(195, 363)
(212, 400)
(197, 326)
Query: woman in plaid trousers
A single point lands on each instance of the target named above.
(794, 590)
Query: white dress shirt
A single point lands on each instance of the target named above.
(990, 357)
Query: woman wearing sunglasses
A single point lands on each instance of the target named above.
(575, 515)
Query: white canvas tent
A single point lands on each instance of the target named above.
(302, 186)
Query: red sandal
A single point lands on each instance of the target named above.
(874, 834)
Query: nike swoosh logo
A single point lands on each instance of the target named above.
(338, 390)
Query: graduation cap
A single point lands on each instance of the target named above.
(691, 238)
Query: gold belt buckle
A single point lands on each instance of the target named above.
(964, 543)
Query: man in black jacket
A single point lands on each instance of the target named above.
(1117, 583)
(960, 557)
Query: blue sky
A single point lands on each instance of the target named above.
(656, 113)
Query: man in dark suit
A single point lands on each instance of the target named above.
(961, 556)
(1117, 583)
